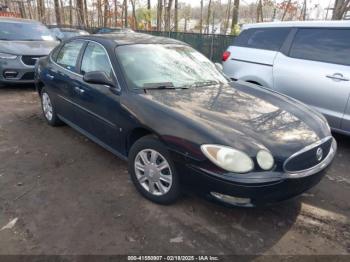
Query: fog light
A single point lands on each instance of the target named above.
(10, 74)
(237, 201)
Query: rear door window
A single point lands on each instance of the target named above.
(324, 45)
(262, 38)
(69, 54)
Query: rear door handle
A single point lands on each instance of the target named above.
(50, 76)
(338, 77)
(79, 90)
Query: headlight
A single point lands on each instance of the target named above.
(7, 56)
(265, 159)
(228, 158)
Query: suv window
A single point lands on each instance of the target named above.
(95, 59)
(68, 55)
(262, 38)
(325, 45)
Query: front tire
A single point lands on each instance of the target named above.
(49, 111)
(153, 172)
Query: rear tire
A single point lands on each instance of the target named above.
(153, 172)
(48, 108)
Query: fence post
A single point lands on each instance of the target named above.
(211, 47)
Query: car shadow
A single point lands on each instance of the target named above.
(239, 230)
(17, 88)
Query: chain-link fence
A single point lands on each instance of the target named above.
(212, 46)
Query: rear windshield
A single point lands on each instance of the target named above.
(74, 33)
(262, 38)
(24, 32)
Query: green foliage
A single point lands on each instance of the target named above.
(235, 31)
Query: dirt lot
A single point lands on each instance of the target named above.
(70, 196)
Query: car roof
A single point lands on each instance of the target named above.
(298, 24)
(17, 20)
(133, 38)
(68, 29)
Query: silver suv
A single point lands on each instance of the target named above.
(22, 43)
(309, 61)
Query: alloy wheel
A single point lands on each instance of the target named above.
(47, 106)
(153, 172)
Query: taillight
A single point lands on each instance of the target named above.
(225, 55)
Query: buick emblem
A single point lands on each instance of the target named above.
(319, 154)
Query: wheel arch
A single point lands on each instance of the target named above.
(39, 86)
(135, 134)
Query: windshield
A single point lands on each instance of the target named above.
(24, 32)
(176, 65)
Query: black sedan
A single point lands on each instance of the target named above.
(178, 120)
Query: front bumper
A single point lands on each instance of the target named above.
(256, 191)
(14, 71)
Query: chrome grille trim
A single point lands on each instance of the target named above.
(317, 168)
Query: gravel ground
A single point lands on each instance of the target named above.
(66, 195)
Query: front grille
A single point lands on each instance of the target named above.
(28, 76)
(308, 157)
(30, 60)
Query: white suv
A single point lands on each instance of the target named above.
(309, 61)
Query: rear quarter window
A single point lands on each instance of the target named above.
(262, 38)
(323, 45)
(54, 52)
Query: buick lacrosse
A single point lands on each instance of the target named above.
(179, 120)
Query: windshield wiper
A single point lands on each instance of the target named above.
(203, 83)
(162, 85)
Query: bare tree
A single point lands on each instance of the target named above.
(234, 15)
(86, 14)
(99, 12)
(41, 10)
(105, 13)
(125, 13)
(30, 10)
(149, 23)
(201, 19)
(21, 8)
(286, 9)
(57, 13)
(303, 12)
(134, 18)
(80, 12)
(70, 13)
(341, 7)
(228, 15)
(176, 16)
(159, 15)
(259, 12)
(208, 17)
(168, 15)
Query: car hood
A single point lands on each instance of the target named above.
(27, 47)
(247, 116)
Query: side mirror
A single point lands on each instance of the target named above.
(219, 67)
(99, 78)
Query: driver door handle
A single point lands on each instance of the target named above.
(338, 77)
